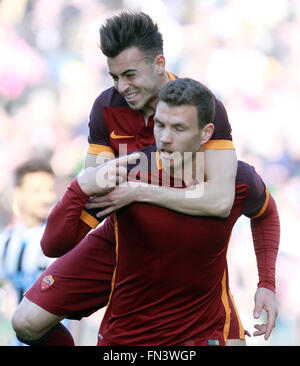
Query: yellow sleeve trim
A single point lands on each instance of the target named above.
(101, 149)
(89, 219)
(263, 209)
(219, 145)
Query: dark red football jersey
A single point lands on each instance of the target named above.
(113, 123)
(160, 241)
(170, 284)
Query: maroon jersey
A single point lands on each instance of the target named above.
(170, 284)
(80, 289)
(113, 122)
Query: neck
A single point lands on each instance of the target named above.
(190, 169)
(31, 221)
(150, 108)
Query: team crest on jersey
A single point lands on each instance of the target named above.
(47, 282)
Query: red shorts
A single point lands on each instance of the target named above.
(79, 283)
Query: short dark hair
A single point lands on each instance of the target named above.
(185, 91)
(131, 29)
(31, 166)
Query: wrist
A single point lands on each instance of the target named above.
(143, 193)
(83, 186)
(84, 183)
(140, 194)
(75, 187)
(267, 286)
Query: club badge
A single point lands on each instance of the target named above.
(47, 282)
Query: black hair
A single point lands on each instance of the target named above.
(186, 91)
(131, 29)
(31, 166)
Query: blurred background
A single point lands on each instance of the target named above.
(246, 51)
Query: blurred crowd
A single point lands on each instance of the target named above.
(51, 70)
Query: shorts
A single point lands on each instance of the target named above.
(78, 283)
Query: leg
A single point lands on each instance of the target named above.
(80, 284)
(36, 326)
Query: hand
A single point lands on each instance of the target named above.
(105, 177)
(265, 299)
(119, 197)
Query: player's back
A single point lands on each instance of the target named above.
(170, 282)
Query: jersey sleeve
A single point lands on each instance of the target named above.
(261, 208)
(258, 195)
(221, 138)
(98, 135)
(66, 226)
(265, 229)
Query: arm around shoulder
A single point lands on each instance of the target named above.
(220, 173)
(215, 196)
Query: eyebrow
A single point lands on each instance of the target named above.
(178, 124)
(124, 72)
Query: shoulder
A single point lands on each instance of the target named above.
(5, 235)
(257, 190)
(147, 160)
(109, 98)
(244, 169)
(97, 122)
(222, 129)
(148, 150)
(5, 239)
(246, 173)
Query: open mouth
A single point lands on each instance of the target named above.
(130, 96)
(166, 153)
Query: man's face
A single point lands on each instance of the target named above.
(136, 79)
(36, 195)
(176, 131)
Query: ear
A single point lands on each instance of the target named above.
(207, 132)
(160, 64)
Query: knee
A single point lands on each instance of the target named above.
(23, 324)
(31, 322)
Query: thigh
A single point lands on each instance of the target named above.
(78, 283)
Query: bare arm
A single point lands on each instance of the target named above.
(66, 226)
(213, 198)
(92, 160)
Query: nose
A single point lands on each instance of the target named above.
(122, 86)
(48, 197)
(166, 137)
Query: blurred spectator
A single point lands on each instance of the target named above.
(51, 70)
(21, 257)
